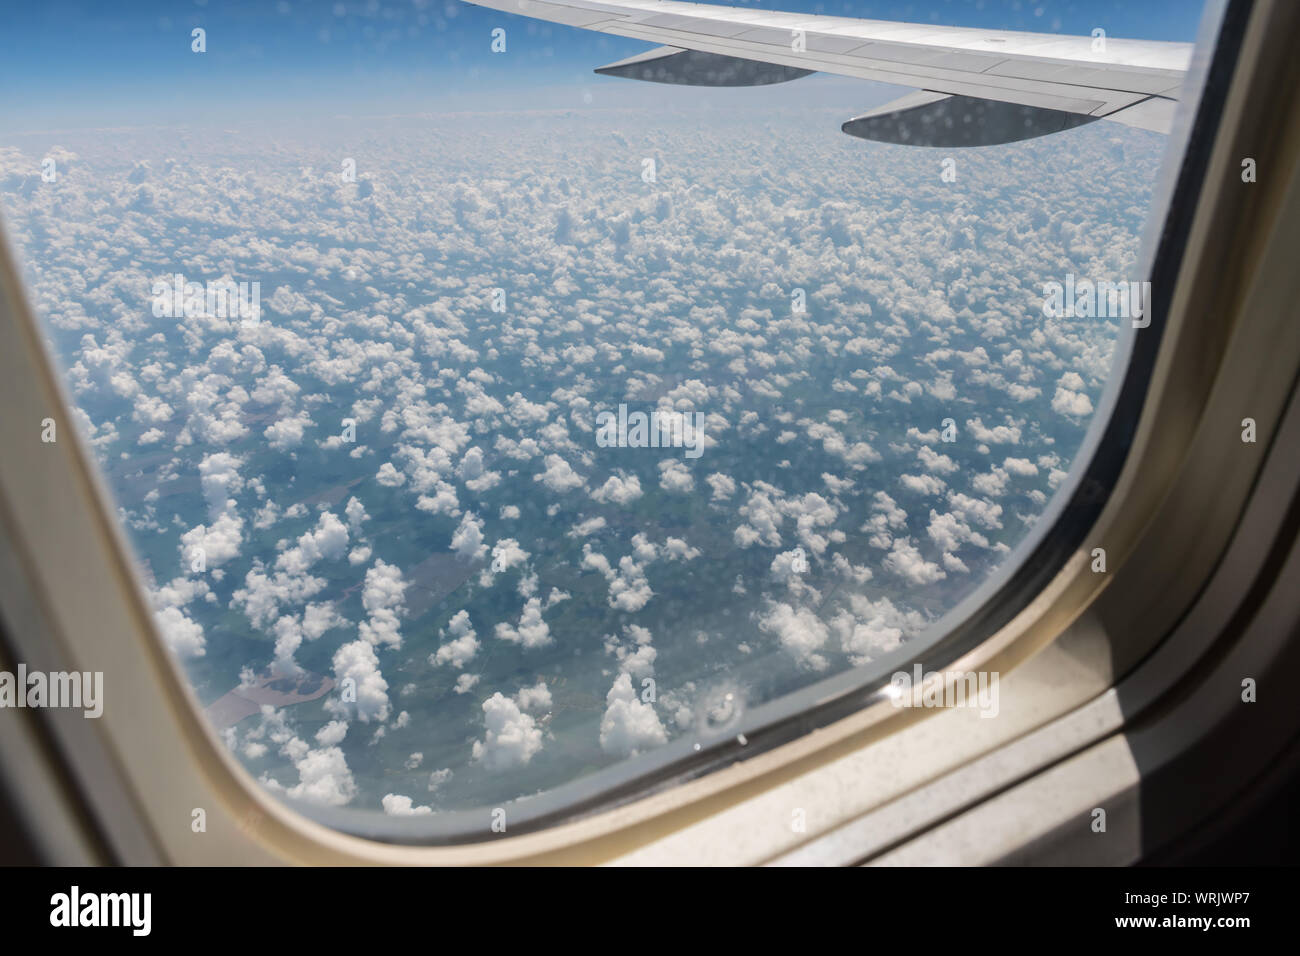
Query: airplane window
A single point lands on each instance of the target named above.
(491, 431)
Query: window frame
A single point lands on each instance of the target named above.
(149, 764)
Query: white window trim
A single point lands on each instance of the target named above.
(138, 771)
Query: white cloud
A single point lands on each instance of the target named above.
(922, 484)
(287, 432)
(537, 697)
(323, 777)
(460, 650)
(183, 635)
(389, 476)
(558, 476)
(356, 514)
(507, 554)
(219, 541)
(906, 561)
(328, 540)
(396, 805)
(675, 477)
(723, 486)
(332, 734)
(799, 631)
(512, 737)
(356, 662)
(584, 529)
(619, 489)
(874, 628)
(382, 598)
(630, 725)
(467, 541)
(466, 683)
(531, 631)
(677, 549)
(220, 479)
(1071, 403)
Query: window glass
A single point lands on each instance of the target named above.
(372, 314)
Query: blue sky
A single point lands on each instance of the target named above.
(72, 63)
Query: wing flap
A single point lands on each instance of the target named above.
(929, 118)
(670, 64)
(1113, 79)
(1155, 114)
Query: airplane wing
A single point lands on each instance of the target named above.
(974, 87)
